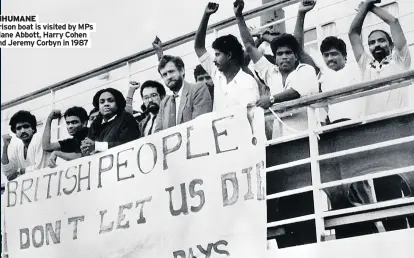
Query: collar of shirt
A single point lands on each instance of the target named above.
(378, 65)
(236, 79)
(150, 124)
(289, 77)
(178, 94)
(111, 119)
(177, 97)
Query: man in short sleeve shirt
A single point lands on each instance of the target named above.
(388, 56)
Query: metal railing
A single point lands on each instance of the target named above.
(330, 219)
(321, 218)
(144, 54)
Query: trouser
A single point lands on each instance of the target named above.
(359, 193)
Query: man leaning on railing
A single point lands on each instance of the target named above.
(287, 79)
(76, 120)
(388, 55)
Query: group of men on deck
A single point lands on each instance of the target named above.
(223, 81)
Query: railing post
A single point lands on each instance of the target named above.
(52, 95)
(215, 31)
(315, 172)
(129, 67)
(4, 249)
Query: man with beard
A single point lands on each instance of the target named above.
(389, 56)
(232, 85)
(188, 100)
(26, 155)
(200, 75)
(152, 92)
(76, 119)
(334, 54)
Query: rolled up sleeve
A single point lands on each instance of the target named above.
(306, 81)
(402, 57)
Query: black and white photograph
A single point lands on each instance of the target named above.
(196, 129)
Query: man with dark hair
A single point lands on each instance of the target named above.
(388, 56)
(200, 75)
(339, 75)
(26, 155)
(188, 100)
(92, 115)
(232, 85)
(152, 93)
(76, 119)
(288, 79)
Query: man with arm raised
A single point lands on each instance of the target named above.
(232, 85)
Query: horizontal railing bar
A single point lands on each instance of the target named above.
(290, 192)
(369, 216)
(291, 221)
(380, 174)
(379, 85)
(288, 165)
(366, 148)
(367, 119)
(277, 4)
(356, 95)
(288, 138)
(370, 207)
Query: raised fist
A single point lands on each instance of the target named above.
(55, 114)
(134, 85)
(157, 44)
(238, 6)
(306, 5)
(211, 8)
(6, 139)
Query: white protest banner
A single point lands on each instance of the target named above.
(195, 190)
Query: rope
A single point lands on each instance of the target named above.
(290, 128)
(283, 123)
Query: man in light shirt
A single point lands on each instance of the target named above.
(388, 56)
(338, 75)
(188, 101)
(232, 86)
(27, 154)
(287, 79)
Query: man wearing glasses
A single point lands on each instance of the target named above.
(152, 92)
(26, 155)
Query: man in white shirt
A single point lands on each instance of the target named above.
(25, 155)
(152, 92)
(232, 86)
(338, 75)
(288, 79)
(387, 56)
